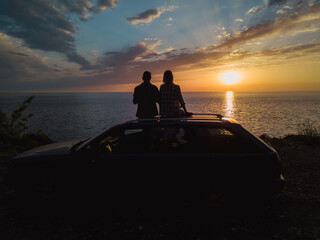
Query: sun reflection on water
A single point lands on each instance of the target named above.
(229, 108)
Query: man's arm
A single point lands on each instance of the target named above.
(135, 96)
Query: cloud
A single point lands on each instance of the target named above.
(255, 10)
(118, 61)
(276, 2)
(285, 23)
(271, 3)
(238, 20)
(46, 25)
(121, 59)
(104, 4)
(149, 15)
(145, 17)
(75, 57)
(281, 12)
(18, 63)
(286, 50)
(18, 53)
(222, 33)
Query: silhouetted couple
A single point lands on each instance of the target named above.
(169, 98)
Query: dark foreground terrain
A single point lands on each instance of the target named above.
(293, 214)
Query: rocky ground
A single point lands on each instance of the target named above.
(293, 214)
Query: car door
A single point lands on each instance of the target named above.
(143, 159)
(118, 160)
(235, 161)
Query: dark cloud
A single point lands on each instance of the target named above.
(83, 7)
(122, 59)
(77, 58)
(103, 4)
(46, 25)
(145, 17)
(39, 23)
(299, 3)
(18, 63)
(149, 15)
(18, 54)
(276, 2)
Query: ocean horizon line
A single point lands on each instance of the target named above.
(37, 92)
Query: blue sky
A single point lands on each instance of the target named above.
(105, 45)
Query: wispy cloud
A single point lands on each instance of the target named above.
(149, 15)
(286, 50)
(256, 9)
(284, 23)
(287, 7)
(281, 11)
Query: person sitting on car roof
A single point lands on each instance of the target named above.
(146, 95)
(171, 100)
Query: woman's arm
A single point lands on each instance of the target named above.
(182, 103)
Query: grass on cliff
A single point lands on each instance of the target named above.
(308, 133)
(13, 138)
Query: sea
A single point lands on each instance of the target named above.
(66, 116)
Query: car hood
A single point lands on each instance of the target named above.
(50, 149)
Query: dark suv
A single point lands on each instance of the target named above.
(160, 156)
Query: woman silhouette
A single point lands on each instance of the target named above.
(171, 100)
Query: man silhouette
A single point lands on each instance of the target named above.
(146, 95)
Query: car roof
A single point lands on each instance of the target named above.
(195, 118)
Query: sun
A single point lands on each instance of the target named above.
(230, 77)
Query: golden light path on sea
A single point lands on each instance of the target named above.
(229, 107)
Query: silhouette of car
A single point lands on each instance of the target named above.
(156, 157)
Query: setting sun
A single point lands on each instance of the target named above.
(230, 77)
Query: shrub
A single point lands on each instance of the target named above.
(308, 129)
(13, 127)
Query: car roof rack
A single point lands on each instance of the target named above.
(158, 117)
(208, 114)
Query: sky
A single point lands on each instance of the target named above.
(106, 45)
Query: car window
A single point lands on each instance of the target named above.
(169, 139)
(145, 140)
(175, 139)
(220, 140)
(122, 141)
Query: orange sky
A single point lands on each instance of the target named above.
(299, 76)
